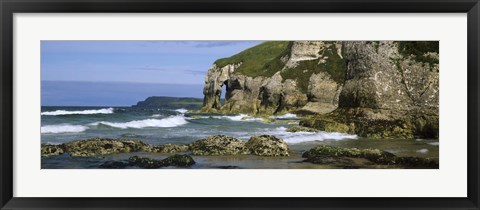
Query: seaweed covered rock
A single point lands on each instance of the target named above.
(325, 154)
(218, 145)
(266, 145)
(50, 150)
(174, 160)
(166, 148)
(374, 123)
(102, 146)
(178, 160)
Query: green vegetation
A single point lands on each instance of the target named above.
(417, 50)
(170, 102)
(260, 60)
(334, 65)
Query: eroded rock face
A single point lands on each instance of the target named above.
(323, 93)
(380, 77)
(275, 94)
(218, 145)
(266, 145)
(390, 91)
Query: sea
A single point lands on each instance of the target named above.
(158, 126)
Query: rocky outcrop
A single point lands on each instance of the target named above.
(166, 148)
(95, 147)
(148, 163)
(218, 145)
(266, 145)
(51, 150)
(213, 145)
(345, 157)
(379, 89)
(390, 91)
(287, 82)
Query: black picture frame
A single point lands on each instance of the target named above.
(10, 7)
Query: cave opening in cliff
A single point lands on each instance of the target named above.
(223, 94)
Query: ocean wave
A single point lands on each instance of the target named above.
(182, 110)
(173, 121)
(157, 115)
(63, 128)
(92, 111)
(285, 116)
(240, 117)
(298, 137)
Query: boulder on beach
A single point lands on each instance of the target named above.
(50, 150)
(149, 163)
(218, 145)
(166, 148)
(324, 154)
(102, 146)
(267, 145)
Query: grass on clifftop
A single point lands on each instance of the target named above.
(418, 50)
(260, 60)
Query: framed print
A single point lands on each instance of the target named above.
(239, 105)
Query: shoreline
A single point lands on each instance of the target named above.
(211, 153)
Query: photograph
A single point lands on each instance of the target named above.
(239, 104)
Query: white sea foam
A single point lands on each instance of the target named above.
(240, 117)
(182, 110)
(156, 115)
(63, 128)
(423, 151)
(434, 143)
(285, 116)
(173, 121)
(298, 137)
(92, 111)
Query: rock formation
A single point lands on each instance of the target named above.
(379, 89)
(390, 91)
(277, 77)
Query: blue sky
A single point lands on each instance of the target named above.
(111, 70)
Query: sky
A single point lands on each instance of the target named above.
(120, 73)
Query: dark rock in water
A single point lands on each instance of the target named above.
(114, 165)
(49, 150)
(266, 145)
(166, 148)
(218, 145)
(301, 129)
(102, 146)
(324, 154)
(174, 160)
(329, 160)
(178, 160)
(142, 162)
(228, 167)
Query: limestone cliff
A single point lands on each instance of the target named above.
(391, 90)
(277, 77)
(372, 88)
